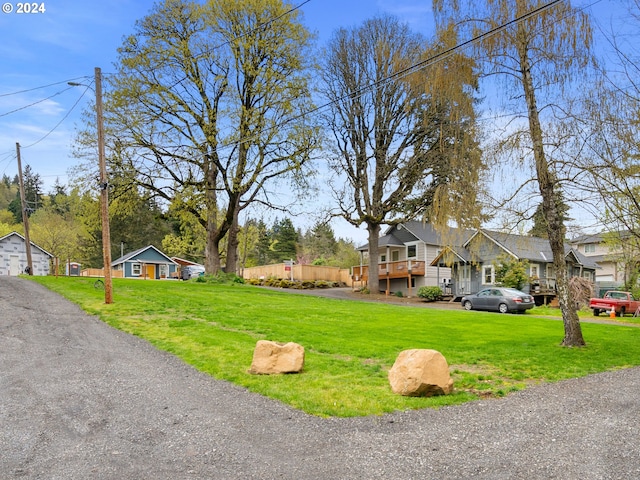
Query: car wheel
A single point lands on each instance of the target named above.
(503, 308)
(596, 312)
(467, 305)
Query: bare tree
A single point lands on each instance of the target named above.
(402, 132)
(537, 48)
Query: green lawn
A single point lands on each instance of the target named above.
(349, 345)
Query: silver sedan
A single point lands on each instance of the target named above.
(499, 299)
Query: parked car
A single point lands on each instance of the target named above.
(191, 271)
(621, 302)
(499, 299)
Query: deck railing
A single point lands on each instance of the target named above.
(400, 269)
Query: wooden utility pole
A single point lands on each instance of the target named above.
(25, 213)
(104, 192)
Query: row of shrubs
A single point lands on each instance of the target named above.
(296, 284)
(221, 277)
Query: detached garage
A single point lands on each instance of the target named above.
(13, 256)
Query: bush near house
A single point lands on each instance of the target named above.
(295, 284)
(430, 294)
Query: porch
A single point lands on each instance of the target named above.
(387, 271)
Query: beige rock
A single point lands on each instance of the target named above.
(420, 373)
(274, 357)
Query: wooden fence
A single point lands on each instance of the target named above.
(300, 272)
(99, 272)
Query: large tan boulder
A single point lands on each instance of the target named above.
(274, 357)
(420, 373)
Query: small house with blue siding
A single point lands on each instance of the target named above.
(147, 262)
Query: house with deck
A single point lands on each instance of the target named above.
(405, 257)
(473, 263)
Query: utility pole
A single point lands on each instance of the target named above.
(104, 192)
(104, 187)
(25, 213)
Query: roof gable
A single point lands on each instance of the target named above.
(413, 230)
(533, 249)
(148, 253)
(8, 238)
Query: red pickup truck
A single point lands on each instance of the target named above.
(621, 302)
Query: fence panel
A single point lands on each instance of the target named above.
(99, 272)
(300, 272)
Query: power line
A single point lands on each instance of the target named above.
(35, 103)
(418, 66)
(41, 87)
(60, 122)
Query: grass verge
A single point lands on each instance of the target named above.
(349, 345)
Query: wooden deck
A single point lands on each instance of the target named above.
(388, 270)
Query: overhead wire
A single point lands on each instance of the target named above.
(60, 122)
(40, 87)
(409, 70)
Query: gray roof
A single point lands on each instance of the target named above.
(598, 237)
(434, 236)
(388, 240)
(534, 249)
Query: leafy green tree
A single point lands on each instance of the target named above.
(284, 240)
(346, 255)
(511, 272)
(6, 228)
(201, 105)
(318, 244)
(8, 192)
(58, 234)
(403, 138)
(540, 226)
(32, 194)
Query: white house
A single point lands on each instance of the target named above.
(13, 256)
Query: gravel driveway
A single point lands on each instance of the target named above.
(80, 400)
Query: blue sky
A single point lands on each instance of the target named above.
(71, 37)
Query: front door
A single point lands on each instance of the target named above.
(464, 280)
(14, 265)
(150, 271)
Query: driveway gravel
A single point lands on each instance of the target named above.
(81, 400)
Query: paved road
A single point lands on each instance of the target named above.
(80, 400)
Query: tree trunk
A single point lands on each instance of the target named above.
(231, 265)
(212, 253)
(212, 248)
(555, 224)
(374, 277)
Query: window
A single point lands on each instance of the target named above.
(411, 251)
(164, 271)
(590, 248)
(488, 277)
(395, 256)
(383, 258)
(136, 269)
(534, 271)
